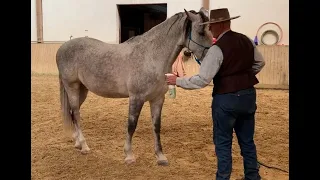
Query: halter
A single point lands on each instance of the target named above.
(204, 47)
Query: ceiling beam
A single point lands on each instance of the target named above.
(205, 4)
(39, 21)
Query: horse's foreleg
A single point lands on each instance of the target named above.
(135, 106)
(156, 108)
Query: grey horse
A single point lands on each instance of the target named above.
(134, 69)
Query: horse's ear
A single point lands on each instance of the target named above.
(190, 16)
(205, 11)
(187, 13)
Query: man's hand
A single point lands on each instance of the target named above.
(171, 79)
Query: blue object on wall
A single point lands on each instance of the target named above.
(255, 40)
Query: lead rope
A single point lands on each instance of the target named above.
(271, 167)
(196, 59)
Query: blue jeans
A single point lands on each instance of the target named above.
(235, 111)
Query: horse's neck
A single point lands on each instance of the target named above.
(164, 42)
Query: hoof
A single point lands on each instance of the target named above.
(85, 151)
(163, 162)
(130, 160)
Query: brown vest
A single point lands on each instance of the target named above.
(235, 72)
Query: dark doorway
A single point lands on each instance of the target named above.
(137, 19)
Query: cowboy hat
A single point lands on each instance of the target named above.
(219, 15)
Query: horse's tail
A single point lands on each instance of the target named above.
(65, 108)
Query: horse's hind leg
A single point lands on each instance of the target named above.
(135, 106)
(73, 91)
(82, 97)
(156, 108)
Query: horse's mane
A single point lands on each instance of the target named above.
(177, 17)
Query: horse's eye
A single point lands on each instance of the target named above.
(201, 34)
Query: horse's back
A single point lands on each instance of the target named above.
(82, 52)
(74, 47)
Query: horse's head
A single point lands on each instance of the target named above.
(198, 37)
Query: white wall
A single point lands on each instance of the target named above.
(255, 13)
(62, 18)
(33, 21)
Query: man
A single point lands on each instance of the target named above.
(232, 63)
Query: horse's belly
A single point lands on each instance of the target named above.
(107, 92)
(111, 94)
(106, 88)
